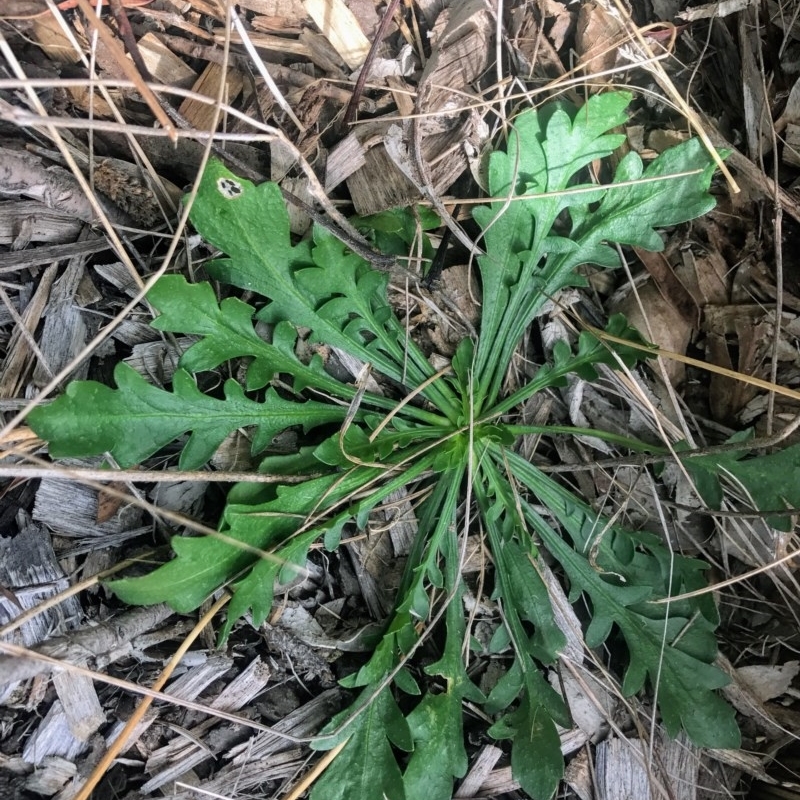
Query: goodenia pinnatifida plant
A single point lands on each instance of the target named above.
(456, 437)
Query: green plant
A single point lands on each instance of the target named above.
(456, 437)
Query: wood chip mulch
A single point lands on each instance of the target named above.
(357, 107)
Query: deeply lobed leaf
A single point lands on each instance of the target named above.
(755, 478)
(137, 419)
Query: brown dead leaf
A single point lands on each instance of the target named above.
(457, 300)
(728, 396)
(670, 285)
(707, 277)
(661, 322)
(597, 36)
(108, 505)
(562, 25)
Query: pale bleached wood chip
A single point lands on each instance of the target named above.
(591, 705)
(53, 737)
(750, 763)
(169, 762)
(500, 781)
(757, 117)
(244, 688)
(28, 175)
(301, 722)
(194, 681)
(82, 707)
(791, 152)
(118, 275)
(46, 254)
(53, 773)
(268, 756)
(681, 764)
(70, 509)
(626, 768)
(340, 26)
(299, 221)
(132, 332)
(158, 360)
(188, 686)
(247, 782)
(619, 770)
(768, 681)
(565, 616)
(742, 697)
(718, 10)
(163, 64)
(479, 772)
(183, 497)
(402, 521)
(116, 730)
(367, 558)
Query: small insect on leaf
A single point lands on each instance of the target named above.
(229, 188)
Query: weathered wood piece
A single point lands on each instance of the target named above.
(82, 709)
(207, 739)
(378, 559)
(64, 333)
(424, 156)
(47, 254)
(163, 64)
(71, 509)
(53, 737)
(158, 360)
(201, 115)
(23, 174)
(119, 276)
(100, 645)
(479, 772)
(340, 27)
(269, 756)
(20, 353)
(31, 574)
(52, 774)
(284, 13)
(26, 221)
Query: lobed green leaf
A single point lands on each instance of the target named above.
(137, 419)
(366, 768)
(754, 477)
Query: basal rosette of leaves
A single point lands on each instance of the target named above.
(456, 437)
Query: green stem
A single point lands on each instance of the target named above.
(420, 370)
